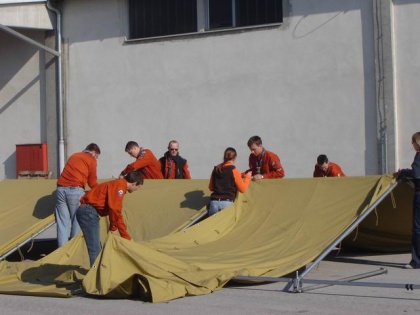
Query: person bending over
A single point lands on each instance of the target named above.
(106, 199)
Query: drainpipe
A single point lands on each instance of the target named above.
(61, 159)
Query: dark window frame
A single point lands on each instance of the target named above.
(149, 19)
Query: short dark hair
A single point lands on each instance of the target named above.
(93, 147)
(321, 159)
(130, 144)
(135, 177)
(254, 140)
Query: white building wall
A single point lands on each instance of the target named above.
(26, 16)
(22, 90)
(407, 64)
(306, 88)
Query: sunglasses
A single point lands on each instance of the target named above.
(173, 149)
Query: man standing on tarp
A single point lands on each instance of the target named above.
(79, 170)
(263, 164)
(106, 199)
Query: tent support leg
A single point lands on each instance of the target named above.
(345, 233)
(380, 271)
(195, 220)
(297, 282)
(25, 241)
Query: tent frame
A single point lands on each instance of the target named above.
(31, 238)
(298, 280)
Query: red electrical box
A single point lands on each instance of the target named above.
(31, 157)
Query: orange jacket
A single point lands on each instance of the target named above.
(170, 164)
(147, 163)
(240, 182)
(79, 170)
(107, 198)
(269, 164)
(334, 170)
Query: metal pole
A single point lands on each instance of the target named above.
(346, 232)
(380, 271)
(327, 282)
(60, 111)
(195, 220)
(29, 40)
(26, 241)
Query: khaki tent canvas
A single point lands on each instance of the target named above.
(276, 227)
(27, 206)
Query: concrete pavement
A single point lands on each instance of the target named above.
(263, 298)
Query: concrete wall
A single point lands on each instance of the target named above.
(26, 15)
(306, 88)
(407, 65)
(22, 91)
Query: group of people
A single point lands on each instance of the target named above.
(76, 210)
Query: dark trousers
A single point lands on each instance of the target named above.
(415, 250)
(88, 219)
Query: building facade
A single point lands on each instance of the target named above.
(319, 77)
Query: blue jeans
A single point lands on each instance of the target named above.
(415, 250)
(218, 205)
(88, 219)
(67, 202)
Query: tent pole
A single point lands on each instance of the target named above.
(380, 271)
(26, 241)
(195, 220)
(318, 282)
(298, 280)
(345, 281)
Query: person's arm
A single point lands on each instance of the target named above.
(416, 166)
(211, 183)
(92, 177)
(336, 171)
(186, 171)
(251, 164)
(116, 220)
(410, 173)
(241, 183)
(141, 162)
(275, 168)
(317, 172)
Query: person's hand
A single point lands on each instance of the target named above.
(114, 232)
(120, 177)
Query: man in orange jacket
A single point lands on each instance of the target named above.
(324, 168)
(106, 199)
(146, 162)
(173, 166)
(263, 164)
(79, 170)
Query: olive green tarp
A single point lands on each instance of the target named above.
(275, 228)
(27, 206)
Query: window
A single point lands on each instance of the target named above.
(257, 12)
(154, 18)
(220, 14)
(242, 13)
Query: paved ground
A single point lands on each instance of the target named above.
(263, 298)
